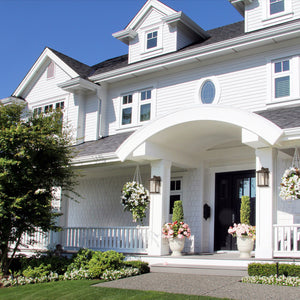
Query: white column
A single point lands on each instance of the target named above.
(159, 206)
(265, 204)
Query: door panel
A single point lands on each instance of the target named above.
(230, 187)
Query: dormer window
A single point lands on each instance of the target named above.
(152, 40)
(276, 6)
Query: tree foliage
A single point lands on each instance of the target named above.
(35, 157)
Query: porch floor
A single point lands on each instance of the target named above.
(218, 263)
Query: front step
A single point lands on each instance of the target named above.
(199, 269)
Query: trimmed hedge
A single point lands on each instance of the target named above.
(256, 269)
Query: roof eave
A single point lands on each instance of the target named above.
(240, 5)
(234, 45)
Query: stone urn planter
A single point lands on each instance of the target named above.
(176, 245)
(245, 246)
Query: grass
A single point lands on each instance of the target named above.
(83, 289)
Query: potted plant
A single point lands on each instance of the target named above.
(177, 231)
(290, 184)
(244, 232)
(135, 198)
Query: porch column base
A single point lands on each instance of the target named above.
(264, 253)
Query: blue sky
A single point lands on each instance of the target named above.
(81, 29)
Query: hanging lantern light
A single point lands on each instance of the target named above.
(155, 185)
(262, 177)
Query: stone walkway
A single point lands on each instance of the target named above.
(212, 285)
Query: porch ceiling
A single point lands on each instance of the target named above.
(198, 137)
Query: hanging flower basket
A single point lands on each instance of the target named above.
(290, 184)
(135, 198)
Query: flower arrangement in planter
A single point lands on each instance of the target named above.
(290, 184)
(176, 229)
(242, 230)
(135, 198)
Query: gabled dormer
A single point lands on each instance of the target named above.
(265, 13)
(158, 29)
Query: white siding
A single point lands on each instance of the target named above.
(243, 80)
(99, 203)
(256, 15)
(91, 116)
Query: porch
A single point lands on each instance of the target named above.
(134, 241)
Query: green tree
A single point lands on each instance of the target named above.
(178, 212)
(245, 210)
(35, 157)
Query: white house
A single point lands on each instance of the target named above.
(204, 110)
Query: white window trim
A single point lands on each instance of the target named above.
(159, 40)
(176, 192)
(294, 80)
(281, 16)
(136, 105)
(199, 86)
(124, 106)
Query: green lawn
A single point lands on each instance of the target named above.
(82, 289)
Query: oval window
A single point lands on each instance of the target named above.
(208, 92)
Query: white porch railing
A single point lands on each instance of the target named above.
(287, 240)
(121, 239)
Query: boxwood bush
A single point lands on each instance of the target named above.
(257, 269)
(141, 265)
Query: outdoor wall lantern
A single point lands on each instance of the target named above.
(155, 185)
(263, 177)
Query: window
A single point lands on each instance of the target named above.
(60, 105)
(145, 105)
(281, 73)
(152, 40)
(50, 70)
(136, 107)
(175, 192)
(48, 108)
(37, 111)
(127, 109)
(208, 92)
(276, 6)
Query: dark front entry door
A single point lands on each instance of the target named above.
(230, 187)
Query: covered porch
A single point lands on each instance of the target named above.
(190, 146)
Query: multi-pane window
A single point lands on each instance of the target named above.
(136, 107)
(59, 105)
(151, 39)
(175, 192)
(127, 109)
(48, 108)
(145, 105)
(281, 73)
(276, 6)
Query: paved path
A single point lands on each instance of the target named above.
(215, 286)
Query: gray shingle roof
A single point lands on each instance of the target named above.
(104, 145)
(82, 69)
(283, 117)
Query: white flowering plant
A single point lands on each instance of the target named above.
(242, 230)
(135, 198)
(290, 184)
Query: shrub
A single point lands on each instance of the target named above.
(256, 269)
(101, 261)
(245, 210)
(81, 259)
(37, 272)
(141, 265)
(109, 275)
(178, 212)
